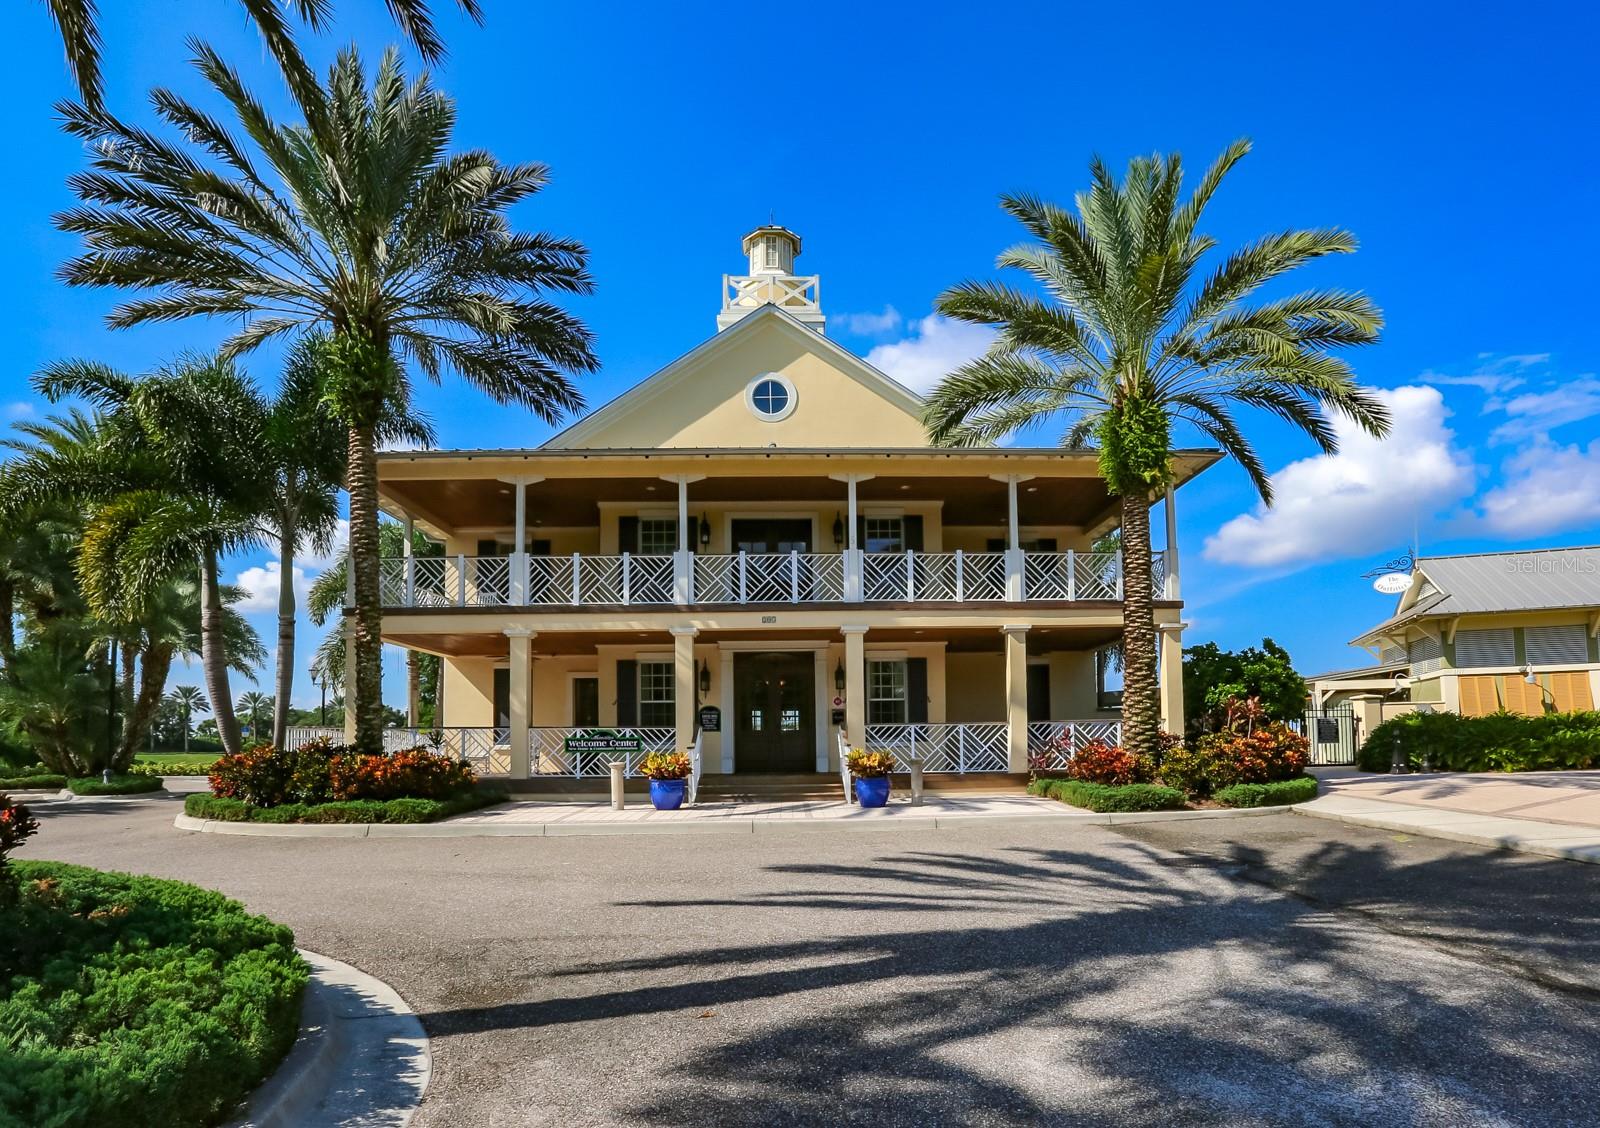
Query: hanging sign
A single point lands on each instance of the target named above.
(1392, 583)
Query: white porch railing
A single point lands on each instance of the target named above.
(693, 787)
(1051, 744)
(972, 747)
(793, 577)
(844, 767)
(549, 755)
(488, 750)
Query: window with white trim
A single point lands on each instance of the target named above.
(1564, 645)
(657, 682)
(886, 691)
(771, 249)
(1480, 649)
(658, 536)
(885, 534)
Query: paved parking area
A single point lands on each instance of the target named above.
(1274, 970)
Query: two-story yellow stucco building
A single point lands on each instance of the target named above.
(755, 552)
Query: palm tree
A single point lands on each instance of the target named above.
(78, 23)
(1128, 341)
(252, 705)
(189, 701)
(368, 229)
(172, 478)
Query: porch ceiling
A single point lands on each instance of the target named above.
(1041, 640)
(466, 503)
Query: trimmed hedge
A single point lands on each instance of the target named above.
(33, 782)
(1278, 794)
(349, 811)
(130, 1001)
(119, 785)
(169, 767)
(1498, 742)
(1102, 797)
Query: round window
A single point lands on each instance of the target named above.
(771, 397)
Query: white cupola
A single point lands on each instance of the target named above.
(771, 251)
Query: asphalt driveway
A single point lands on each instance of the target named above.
(1276, 970)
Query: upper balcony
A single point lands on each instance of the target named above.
(684, 527)
(745, 578)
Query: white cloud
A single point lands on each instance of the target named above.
(263, 583)
(19, 410)
(1366, 497)
(1546, 488)
(1493, 375)
(868, 324)
(1534, 413)
(936, 347)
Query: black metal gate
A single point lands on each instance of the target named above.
(1331, 732)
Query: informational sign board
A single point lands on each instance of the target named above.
(1327, 730)
(710, 719)
(593, 742)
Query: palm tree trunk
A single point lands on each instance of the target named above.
(413, 689)
(130, 655)
(213, 655)
(362, 482)
(1141, 700)
(8, 639)
(155, 665)
(283, 684)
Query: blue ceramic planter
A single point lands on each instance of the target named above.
(667, 794)
(873, 792)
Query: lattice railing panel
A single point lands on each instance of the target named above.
(971, 747)
(1051, 744)
(547, 748)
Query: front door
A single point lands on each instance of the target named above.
(775, 705)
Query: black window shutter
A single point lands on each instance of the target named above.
(917, 691)
(1045, 544)
(628, 534)
(911, 527)
(627, 690)
(996, 544)
(539, 548)
(502, 697)
(861, 531)
(488, 548)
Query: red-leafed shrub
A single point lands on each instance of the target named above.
(1249, 749)
(16, 827)
(321, 772)
(1099, 762)
(414, 773)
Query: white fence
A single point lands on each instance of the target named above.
(524, 580)
(488, 750)
(549, 754)
(980, 747)
(1051, 744)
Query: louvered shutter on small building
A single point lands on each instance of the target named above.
(1483, 649)
(1427, 655)
(1566, 645)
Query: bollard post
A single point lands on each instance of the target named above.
(916, 781)
(617, 768)
(1397, 761)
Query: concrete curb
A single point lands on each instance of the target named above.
(1525, 836)
(362, 1057)
(36, 794)
(730, 825)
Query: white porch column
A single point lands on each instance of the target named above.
(1171, 676)
(855, 685)
(728, 716)
(1170, 587)
(518, 563)
(1016, 696)
(683, 559)
(684, 687)
(520, 699)
(409, 565)
(349, 680)
(853, 563)
(1016, 562)
(822, 682)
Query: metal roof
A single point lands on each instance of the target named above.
(1542, 579)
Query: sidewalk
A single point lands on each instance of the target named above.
(1556, 814)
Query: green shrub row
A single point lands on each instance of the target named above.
(1277, 794)
(348, 811)
(33, 783)
(131, 1001)
(119, 785)
(1498, 742)
(169, 767)
(1107, 797)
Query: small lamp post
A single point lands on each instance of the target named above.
(1427, 746)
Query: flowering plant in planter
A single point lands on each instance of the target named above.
(870, 765)
(666, 765)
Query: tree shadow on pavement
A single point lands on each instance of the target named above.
(1125, 986)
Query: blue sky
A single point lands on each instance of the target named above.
(1460, 150)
